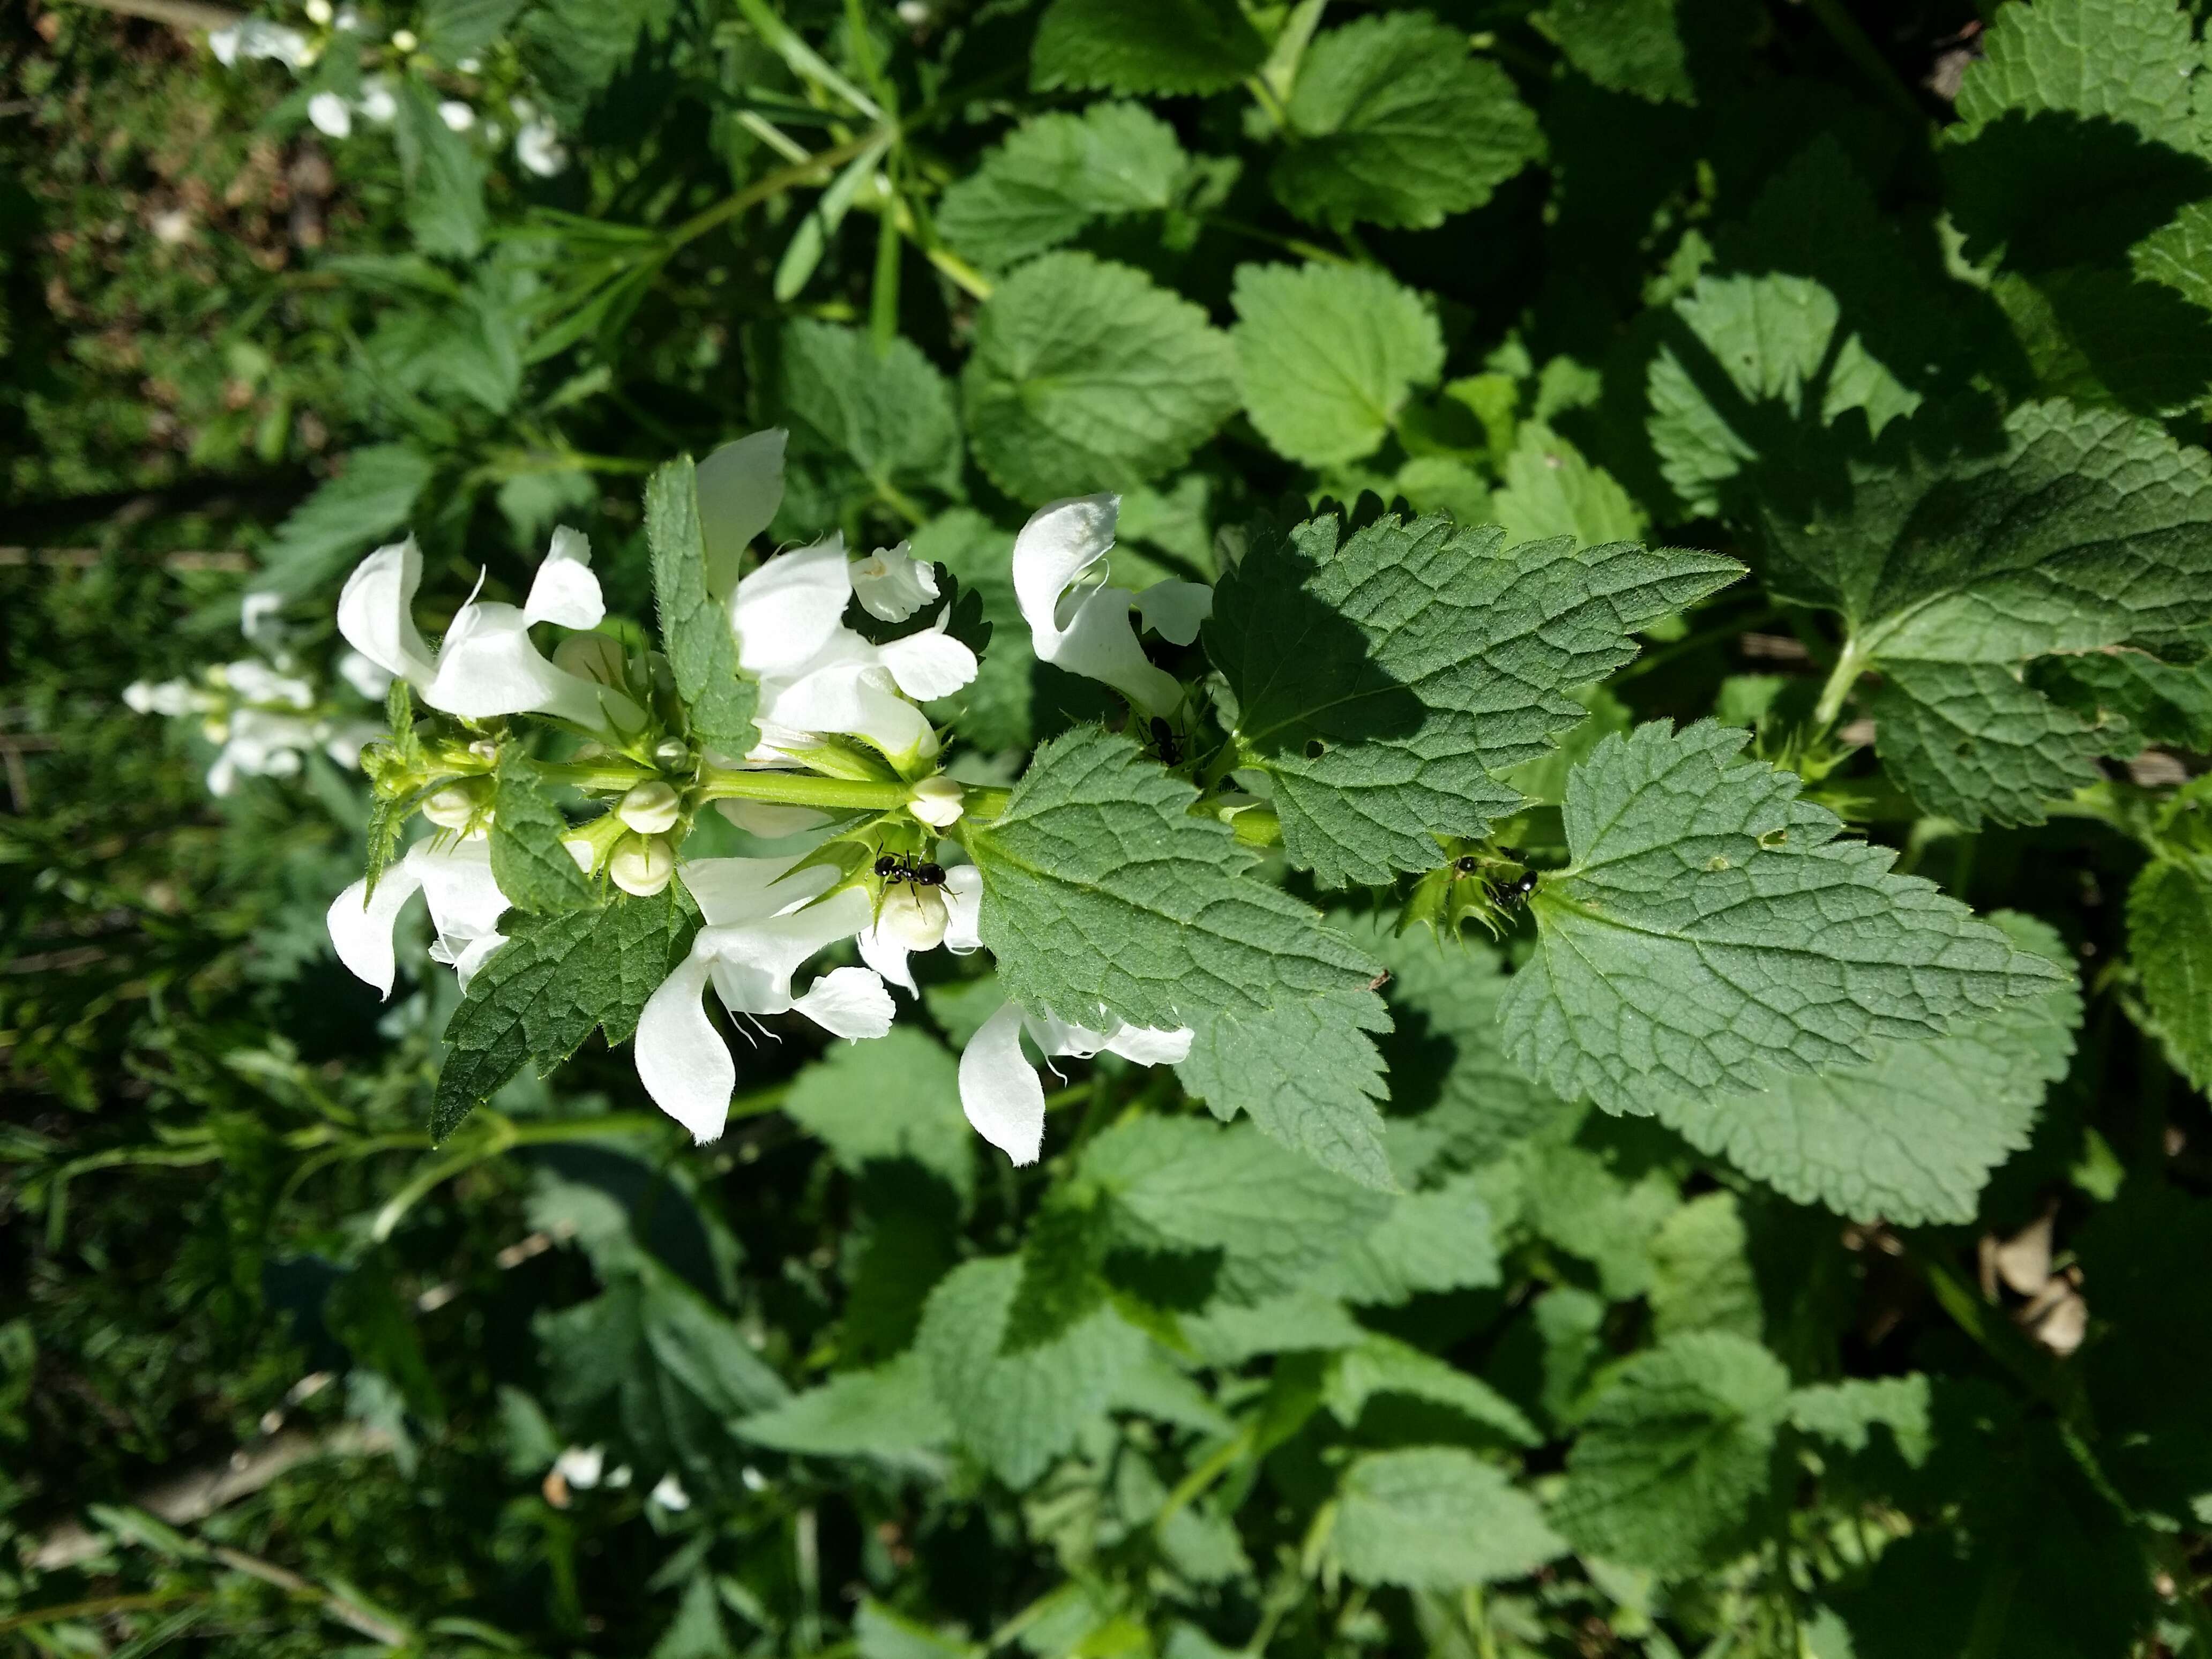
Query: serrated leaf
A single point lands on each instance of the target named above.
(2160, 702)
(1958, 559)
(454, 29)
(1184, 1184)
(1395, 124)
(1144, 46)
(1384, 1365)
(538, 995)
(1701, 1274)
(1383, 684)
(1712, 932)
(372, 497)
(1086, 376)
(1328, 355)
(870, 424)
(890, 1414)
(896, 1097)
(1054, 174)
(1103, 899)
(1017, 1412)
(1428, 1242)
(1845, 1413)
(1675, 1453)
(1307, 1072)
(2170, 938)
(1551, 489)
(1435, 1518)
(445, 178)
(1626, 46)
(695, 631)
(533, 868)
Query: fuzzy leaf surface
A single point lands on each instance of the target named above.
(1713, 932)
(1054, 174)
(1327, 355)
(1307, 1072)
(1104, 898)
(695, 631)
(531, 867)
(1436, 1518)
(1144, 46)
(1384, 684)
(2170, 936)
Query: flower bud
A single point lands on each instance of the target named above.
(451, 808)
(642, 864)
(580, 849)
(319, 13)
(937, 801)
(912, 917)
(650, 808)
(403, 40)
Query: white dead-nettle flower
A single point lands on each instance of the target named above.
(378, 104)
(938, 801)
(486, 665)
(669, 1493)
(818, 677)
(912, 917)
(538, 148)
(1001, 1090)
(257, 37)
(265, 720)
(1078, 623)
(456, 115)
(891, 584)
(465, 905)
(331, 115)
(765, 919)
(582, 1467)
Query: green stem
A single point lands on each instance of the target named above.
(834, 795)
(1850, 663)
(774, 184)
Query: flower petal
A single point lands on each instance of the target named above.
(1100, 643)
(771, 820)
(361, 924)
(928, 664)
(891, 584)
(734, 891)
(465, 902)
(740, 487)
(376, 612)
(565, 590)
(681, 1059)
(1149, 1046)
(489, 667)
(888, 958)
(847, 1002)
(858, 700)
(1175, 609)
(964, 908)
(1061, 541)
(754, 961)
(787, 609)
(999, 1091)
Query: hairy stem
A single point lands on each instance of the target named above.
(1850, 663)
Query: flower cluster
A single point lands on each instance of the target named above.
(845, 777)
(266, 715)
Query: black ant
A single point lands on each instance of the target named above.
(904, 866)
(1165, 743)
(1509, 896)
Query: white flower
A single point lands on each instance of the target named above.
(939, 802)
(537, 147)
(919, 919)
(256, 37)
(465, 906)
(580, 1466)
(891, 584)
(457, 116)
(171, 698)
(486, 664)
(261, 619)
(1001, 1091)
(331, 115)
(669, 1493)
(364, 676)
(377, 103)
(256, 682)
(762, 927)
(740, 487)
(1088, 631)
(261, 743)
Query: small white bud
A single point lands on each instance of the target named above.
(937, 801)
(650, 808)
(403, 40)
(671, 751)
(450, 809)
(583, 851)
(319, 13)
(642, 864)
(912, 917)
(484, 749)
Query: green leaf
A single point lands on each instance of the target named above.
(879, 423)
(890, 1414)
(2160, 702)
(1392, 123)
(374, 496)
(1550, 489)
(1327, 355)
(1845, 1413)
(1383, 1365)
(1018, 1412)
(2170, 938)
(1276, 1219)
(697, 1630)
(1307, 1072)
(538, 995)
(1057, 173)
(1383, 684)
(695, 631)
(1430, 1242)
(1085, 377)
(896, 1098)
(1144, 46)
(533, 868)
(1959, 558)
(1624, 45)
(1712, 932)
(1435, 1518)
(1104, 899)
(445, 178)
(454, 29)
(1675, 1453)
(1701, 1275)
(575, 48)
(1594, 1202)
